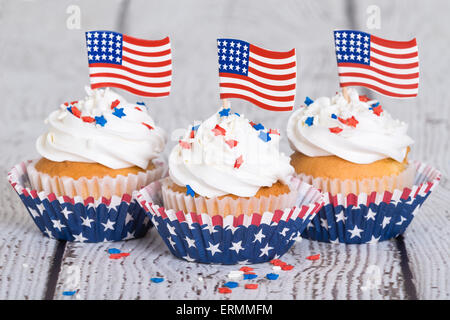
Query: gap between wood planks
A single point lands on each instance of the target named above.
(54, 272)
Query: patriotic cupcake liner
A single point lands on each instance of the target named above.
(255, 238)
(374, 217)
(78, 219)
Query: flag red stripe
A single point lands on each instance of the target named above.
(397, 56)
(142, 83)
(395, 65)
(139, 73)
(256, 102)
(130, 89)
(147, 54)
(272, 76)
(258, 93)
(394, 44)
(387, 74)
(382, 91)
(147, 64)
(272, 66)
(258, 83)
(146, 43)
(271, 54)
(390, 84)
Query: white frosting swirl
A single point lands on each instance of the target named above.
(207, 162)
(375, 136)
(122, 142)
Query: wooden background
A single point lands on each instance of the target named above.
(43, 63)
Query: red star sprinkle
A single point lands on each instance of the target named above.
(184, 144)
(115, 103)
(192, 134)
(278, 262)
(66, 104)
(147, 125)
(363, 98)
(251, 286)
(238, 162)
(232, 143)
(352, 122)
(274, 131)
(76, 112)
(115, 256)
(287, 267)
(74, 102)
(335, 129)
(314, 257)
(137, 108)
(224, 290)
(218, 130)
(88, 119)
(252, 123)
(377, 110)
(246, 269)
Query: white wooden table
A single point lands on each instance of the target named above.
(43, 63)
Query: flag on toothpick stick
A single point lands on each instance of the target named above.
(142, 67)
(388, 67)
(262, 77)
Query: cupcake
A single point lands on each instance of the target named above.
(356, 153)
(228, 175)
(97, 152)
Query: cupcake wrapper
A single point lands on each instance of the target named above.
(98, 187)
(374, 217)
(254, 238)
(77, 219)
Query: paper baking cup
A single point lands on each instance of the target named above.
(95, 186)
(255, 238)
(80, 219)
(370, 218)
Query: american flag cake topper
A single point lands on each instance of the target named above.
(142, 67)
(387, 67)
(262, 77)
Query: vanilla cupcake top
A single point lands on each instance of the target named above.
(228, 154)
(103, 128)
(359, 131)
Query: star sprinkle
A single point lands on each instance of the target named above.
(141, 103)
(287, 267)
(115, 103)
(113, 250)
(250, 276)
(88, 119)
(334, 116)
(184, 144)
(274, 131)
(264, 136)
(314, 257)
(238, 162)
(137, 108)
(69, 293)
(308, 101)
(225, 290)
(195, 128)
(246, 269)
(147, 125)
(363, 98)
(224, 112)
(309, 121)
(258, 126)
(272, 276)
(351, 122)
(192, 134)
(251, 286)
(377, 110)
(190, 191)
(156, 280)
(100, 120)
(335, 130)
(118, 255)
(76, 112)
(232, 143)
(118, 112)
(231, 284)
(218, 130)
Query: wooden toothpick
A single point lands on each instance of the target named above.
(345, 94)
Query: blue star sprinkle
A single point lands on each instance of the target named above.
(334, 116)
(231, 284)
(189, 191)
(140, 103)
(113, 251)
(374, 106)
(237, 114)
(272, 276)
(308, 101)
(309, 121)
(195, 128)
(69, 293)
(101, 120)
(157, 280)
(118, 112)
(250, 276)
(264, 136)
(258, 126)
(224, 112)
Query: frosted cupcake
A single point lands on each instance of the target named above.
(96, 154)
(228, 165)
(100, 146)
(349, 146)
(357, 154)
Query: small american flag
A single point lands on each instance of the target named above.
(387, 67)
(265, 78)
(142, 67)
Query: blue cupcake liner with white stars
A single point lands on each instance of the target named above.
(370, 218)
(245, 239)
(77, 219)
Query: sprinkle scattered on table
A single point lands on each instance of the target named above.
(231, 284)
(272, 276)
(251, 286)
(250, 276)
(69, 293)
(113, 250)
(157, 280)
(314, 257)
(246, 269)
(224, 290)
